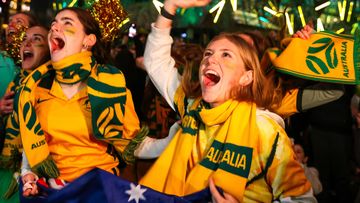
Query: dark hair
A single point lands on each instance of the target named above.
(188, 58)
(91, 26)
(31, 17)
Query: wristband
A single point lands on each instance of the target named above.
(166, 14)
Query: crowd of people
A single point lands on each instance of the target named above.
(174, 117)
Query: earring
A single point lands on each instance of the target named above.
(86, 46)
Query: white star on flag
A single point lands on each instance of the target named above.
(136, 193)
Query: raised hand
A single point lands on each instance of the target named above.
(170, 7)
(186, 3)
(304, 33)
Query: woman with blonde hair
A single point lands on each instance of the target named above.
(226, 138)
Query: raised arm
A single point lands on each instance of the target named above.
(157, 57)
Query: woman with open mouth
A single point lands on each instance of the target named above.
(8, 64)
(76, 113)
(226, 138)
(34, 51)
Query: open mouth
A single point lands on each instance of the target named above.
(57, 44)
(27, 55)
(211, 78)
(11, 31)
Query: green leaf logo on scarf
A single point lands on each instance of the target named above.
(31, 122)
(330, 55)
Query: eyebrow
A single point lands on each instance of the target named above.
(220, 50)
(62, 19)
(15, 18)
(40, 35)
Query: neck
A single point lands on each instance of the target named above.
(70, 90)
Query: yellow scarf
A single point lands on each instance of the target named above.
(10, 157)
(182, 169)
(326, 56)
(108, 99)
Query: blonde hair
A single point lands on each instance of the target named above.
(257, 91)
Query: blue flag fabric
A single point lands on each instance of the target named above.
(101, 186)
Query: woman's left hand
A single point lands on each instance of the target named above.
(217, 197)
(304, 33)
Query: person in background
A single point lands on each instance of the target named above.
(8, 67)
(82, 111)
(312, 174)
(34, 51)
(232, 84)
(291, 94)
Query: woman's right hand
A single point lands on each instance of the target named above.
(170, 6)
(6, 103)
(187, 3)
(220, 198)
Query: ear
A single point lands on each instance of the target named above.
(246, 78)
(90, 40)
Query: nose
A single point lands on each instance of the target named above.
(28, 42)
(55, 27)
(211, 59)
(12, 23)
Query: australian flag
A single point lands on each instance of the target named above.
(101, 186)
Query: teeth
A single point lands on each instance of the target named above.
(27, 52)
(211, 72)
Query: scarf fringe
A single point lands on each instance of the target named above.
(46, 168)
(357, 55)
(11, 162)
(128, 154)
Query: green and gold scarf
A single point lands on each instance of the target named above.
(326, 56)
(182, 169)
(113, 116)
(11, 153)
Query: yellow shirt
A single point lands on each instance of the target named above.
(68, 130)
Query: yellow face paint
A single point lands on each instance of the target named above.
(70, 31)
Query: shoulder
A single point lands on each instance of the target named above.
(272, 133)
(265, 117)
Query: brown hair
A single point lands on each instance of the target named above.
(91, 26)
(256, 91)
(261, 43)
(47, 56)
(31, 18)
